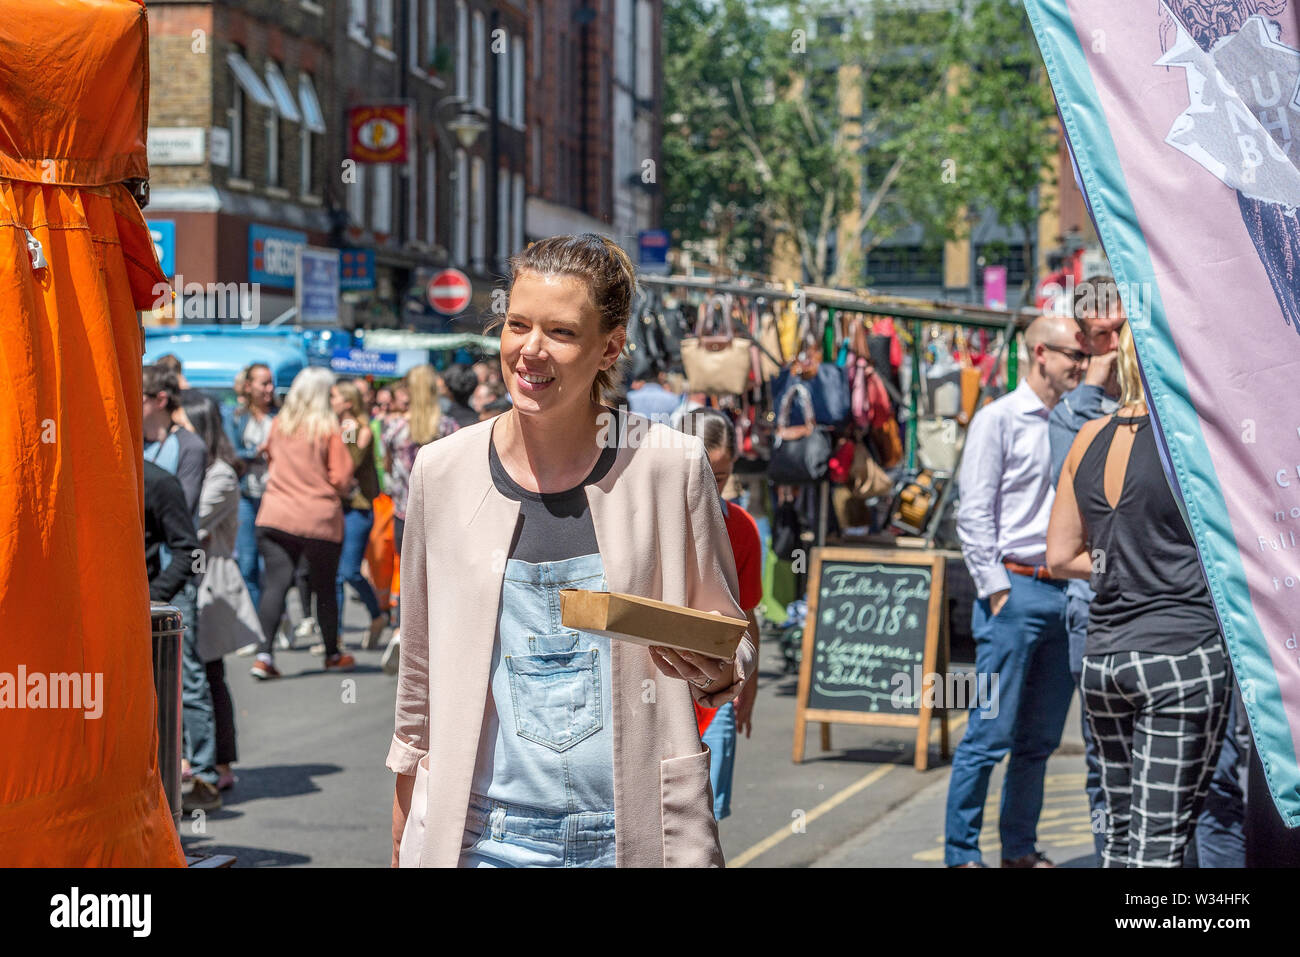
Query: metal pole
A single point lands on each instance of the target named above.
(914, 396)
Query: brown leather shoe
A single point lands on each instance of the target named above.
(1036, 859)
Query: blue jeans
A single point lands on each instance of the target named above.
(513, 835)
(720, 736)
(196, 697)
(1026, 645)
(246, 547)
(1076, 618)
(357, 523)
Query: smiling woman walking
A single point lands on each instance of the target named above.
(519, 742)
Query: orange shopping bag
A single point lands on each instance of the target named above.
(380, 553)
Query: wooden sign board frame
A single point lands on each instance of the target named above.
(934, 658)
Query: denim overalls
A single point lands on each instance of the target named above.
(543, 791)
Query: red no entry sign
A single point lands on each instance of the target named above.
(449, 291)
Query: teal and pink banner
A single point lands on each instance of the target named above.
(1184, 121)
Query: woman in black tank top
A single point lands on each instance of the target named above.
(1155, 673)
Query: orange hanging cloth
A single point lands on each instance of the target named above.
(79, 782)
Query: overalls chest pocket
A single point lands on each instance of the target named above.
(556, 692)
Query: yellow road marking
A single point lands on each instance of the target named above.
(834, 801)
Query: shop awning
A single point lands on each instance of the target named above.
(249, 81)
(285, 104)
(312, 117)
(393, 340)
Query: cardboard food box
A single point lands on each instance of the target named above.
(649, 622)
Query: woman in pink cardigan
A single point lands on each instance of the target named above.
(519, 742)
(301, 514)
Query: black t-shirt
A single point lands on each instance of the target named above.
(553, 526)
(1151, 593)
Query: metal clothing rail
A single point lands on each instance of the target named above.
(922, 310)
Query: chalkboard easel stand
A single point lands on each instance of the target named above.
(934, 656)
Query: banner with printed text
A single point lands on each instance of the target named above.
(1184, 120)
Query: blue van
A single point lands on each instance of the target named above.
(212, 355)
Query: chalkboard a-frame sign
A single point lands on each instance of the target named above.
(871, 643)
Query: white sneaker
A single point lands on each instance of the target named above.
(392, 654)
(247, 650)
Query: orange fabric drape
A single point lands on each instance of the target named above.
(76, 789)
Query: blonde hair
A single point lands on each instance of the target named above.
(425, 412)
(352, 396)
(611, 285)
(1129, 374)
(307, 411)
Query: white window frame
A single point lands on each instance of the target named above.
(312, 116)
(430, 32)
(503, 213)
(385, 32)
(358, 21)
(412, 231)
(505, 88)
(460, 211)
(272, 148)
(356, 198)
(304, 161)
(236, 116)
(517, 78)
(478, 213)
(246, 77)
(431, 196)
(285, 104)
(478, 58)
(381, 197)
(462, 50)
(413, 37)
(517, 218)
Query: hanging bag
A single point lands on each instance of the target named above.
(716, 364)
(800, 453)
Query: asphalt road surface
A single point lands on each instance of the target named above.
(313, 789)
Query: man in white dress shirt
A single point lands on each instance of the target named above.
(1019, 617)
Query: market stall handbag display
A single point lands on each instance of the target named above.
(717, 364)
(79, 787)
(800, 453)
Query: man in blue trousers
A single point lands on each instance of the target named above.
(1019, 616)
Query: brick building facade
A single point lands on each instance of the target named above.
(514, 109)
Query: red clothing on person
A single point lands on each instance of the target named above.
(742, 530)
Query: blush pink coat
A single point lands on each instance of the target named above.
(659, 525)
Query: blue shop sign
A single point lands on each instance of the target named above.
(163, 234)
(363, 362)
(653, 245)
(358, 269)
(273, 255)
(318, 287)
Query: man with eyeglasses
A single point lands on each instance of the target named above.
(1019, 616)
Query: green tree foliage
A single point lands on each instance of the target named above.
(789, 118)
